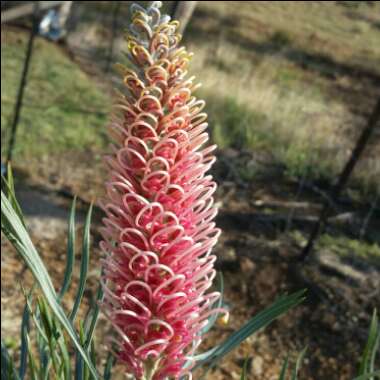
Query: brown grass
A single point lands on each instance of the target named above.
(301, 77)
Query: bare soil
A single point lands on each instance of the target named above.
(257, 255)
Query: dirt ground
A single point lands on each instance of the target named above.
(256, 254)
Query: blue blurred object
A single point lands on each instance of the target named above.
(50, 26)
(3, 169)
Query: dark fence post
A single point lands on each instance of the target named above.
(182, 12)
(115, 13)
(343, 178)
(368, 217)
(21, 89)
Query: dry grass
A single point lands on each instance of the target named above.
(271, 72)
(293, 79)
(63, 110)
(348, 33)
(296, 123)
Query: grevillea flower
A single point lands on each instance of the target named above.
(158, 230)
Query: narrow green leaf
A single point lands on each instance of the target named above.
(43, 348)
(244, 372)
(32, 363)
(92, 317)
(10, 180)
(369, 376)
(108, 367)
(216, 305)
(4, 361)
(24, 342)
(284, 368)
(41, 339)
(45, 318)
(10, 191)
(70, 253)
(367, 362)
(375, 346)
(298, 363)
(263, 319)
(36, 319)
(45, 367)
(14, 230)
(86, 374)
(93, 354)
(65, 358)
(8, 372)
(84, 265)
(79, 368)
(51, 333)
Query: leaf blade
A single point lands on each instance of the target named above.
(24, 342)
(84, 265)
(258, 322)
(15, 231)
(70, 252)
(367, 362)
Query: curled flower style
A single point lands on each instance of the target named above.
(158, 231)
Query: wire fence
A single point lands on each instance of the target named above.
(93, 36)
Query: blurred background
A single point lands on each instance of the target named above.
(292, 91)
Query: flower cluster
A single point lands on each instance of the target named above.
(159, 230)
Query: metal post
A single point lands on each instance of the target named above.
(182, 11)
(115, 13)
(373, 121)
(20, 94)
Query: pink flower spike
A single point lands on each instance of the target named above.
(158, 228)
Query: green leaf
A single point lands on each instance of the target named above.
(10, 191)
(14, 230)
(24, 342)
(93, 354)
(41, 338)
(108, 367)
(86, 333)
(284, 369)
(36, 319)
(263, 319)
(10, 178)
(25, 327)
(42, 344)
(84, 265)
(65, 357)
(216, 305)
(298, 363)
(244, 372)
(79, 368)
(8, 372)
(45, 318)
(32, 363)
(92, 317)
(369, 376)
(70, 254)
(367, 362)
(50, 327)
